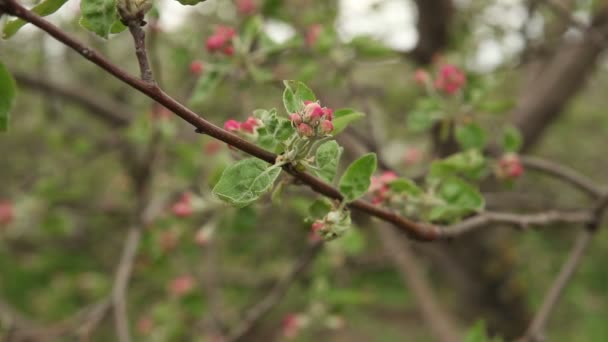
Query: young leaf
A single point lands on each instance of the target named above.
(98, 16)
(205, 86)
(244, 182)
(357, 178)
(460, 197)
(295, 94)
(477, 333)
(343, 117)
(44, 8)
(405, 186)
(327, 158)
(319, 208)
(8, 91)
(511, 139)
(470, 164)
(190, 2)
(470, 136)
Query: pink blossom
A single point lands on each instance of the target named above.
(312, 112)
(181, 285)
(232, 125)
(510, 166)
(329, 113)
(313, 33)
(221, 39)
(228, 50)
(249, 125)
(183, 207)
(7, 213)
(196, 67)
(305, 130)
(245, 7)
(326, 126)
(450, 79)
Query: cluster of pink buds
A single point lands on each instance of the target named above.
(509, 167)
(221, 40)
(313, 120)
(197, 67)
(248, 126)
(181, 285)
(245, 7)
(379, 187)
(449, 80)
(183, 207)
(6, 212)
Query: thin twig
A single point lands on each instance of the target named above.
(562, 172)
(263, 307)
(139, 39)
(523, 221)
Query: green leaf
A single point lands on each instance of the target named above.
(343, 117)
(205, 86)
(357, 178)
(327, 158)
(460, 197)
(470, 164)
(8, 92)
(366, 46)
(477, 333)
(405, 186)
(319, 208)
(44, 8)
(512, 139)
(295, 94)
(470, 136)
(244, 182)
(190, 2)
(98, 16)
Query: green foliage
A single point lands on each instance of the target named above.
(99, 16)
(244, 182)
(459, 198)
(205, 86)
(43, 9)
(295, 94)
(371, 48)
(190, 2)
(8, 92)
(357, 178)
(327, 159)
(405, 186)
(470, 136)
(470, 164)
(344, 117)
(511, 139)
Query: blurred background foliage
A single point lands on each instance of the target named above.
(63, 169)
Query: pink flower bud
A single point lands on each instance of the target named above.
(181, 285)
(183, 208)
(226, 32)
(450, 79)
(249, 125)
(412, 156)
(245, 7)
(313, 33)
(203, 236)
(388, 176)
(305, 130)
(329, 113)
(295, 118)
(292, 324)
(326, 126)
(215, 42)
(421, 77)
(510, 166)
(7, 213)
(228, 50)
(312, 112)
(196, 67)
(232, 125)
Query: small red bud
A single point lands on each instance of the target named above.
(305, 130)
(421, 77)
(214, 43)
(228, 50)
(313, 33)
(232, 125)
(196, 67)
(245, 7)
(326, 126)
(7, 213)
(295, 118)
(181, 285)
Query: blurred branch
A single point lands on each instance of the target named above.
(104, 108)
(263, 307)
(434, 19)
(440, 324)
